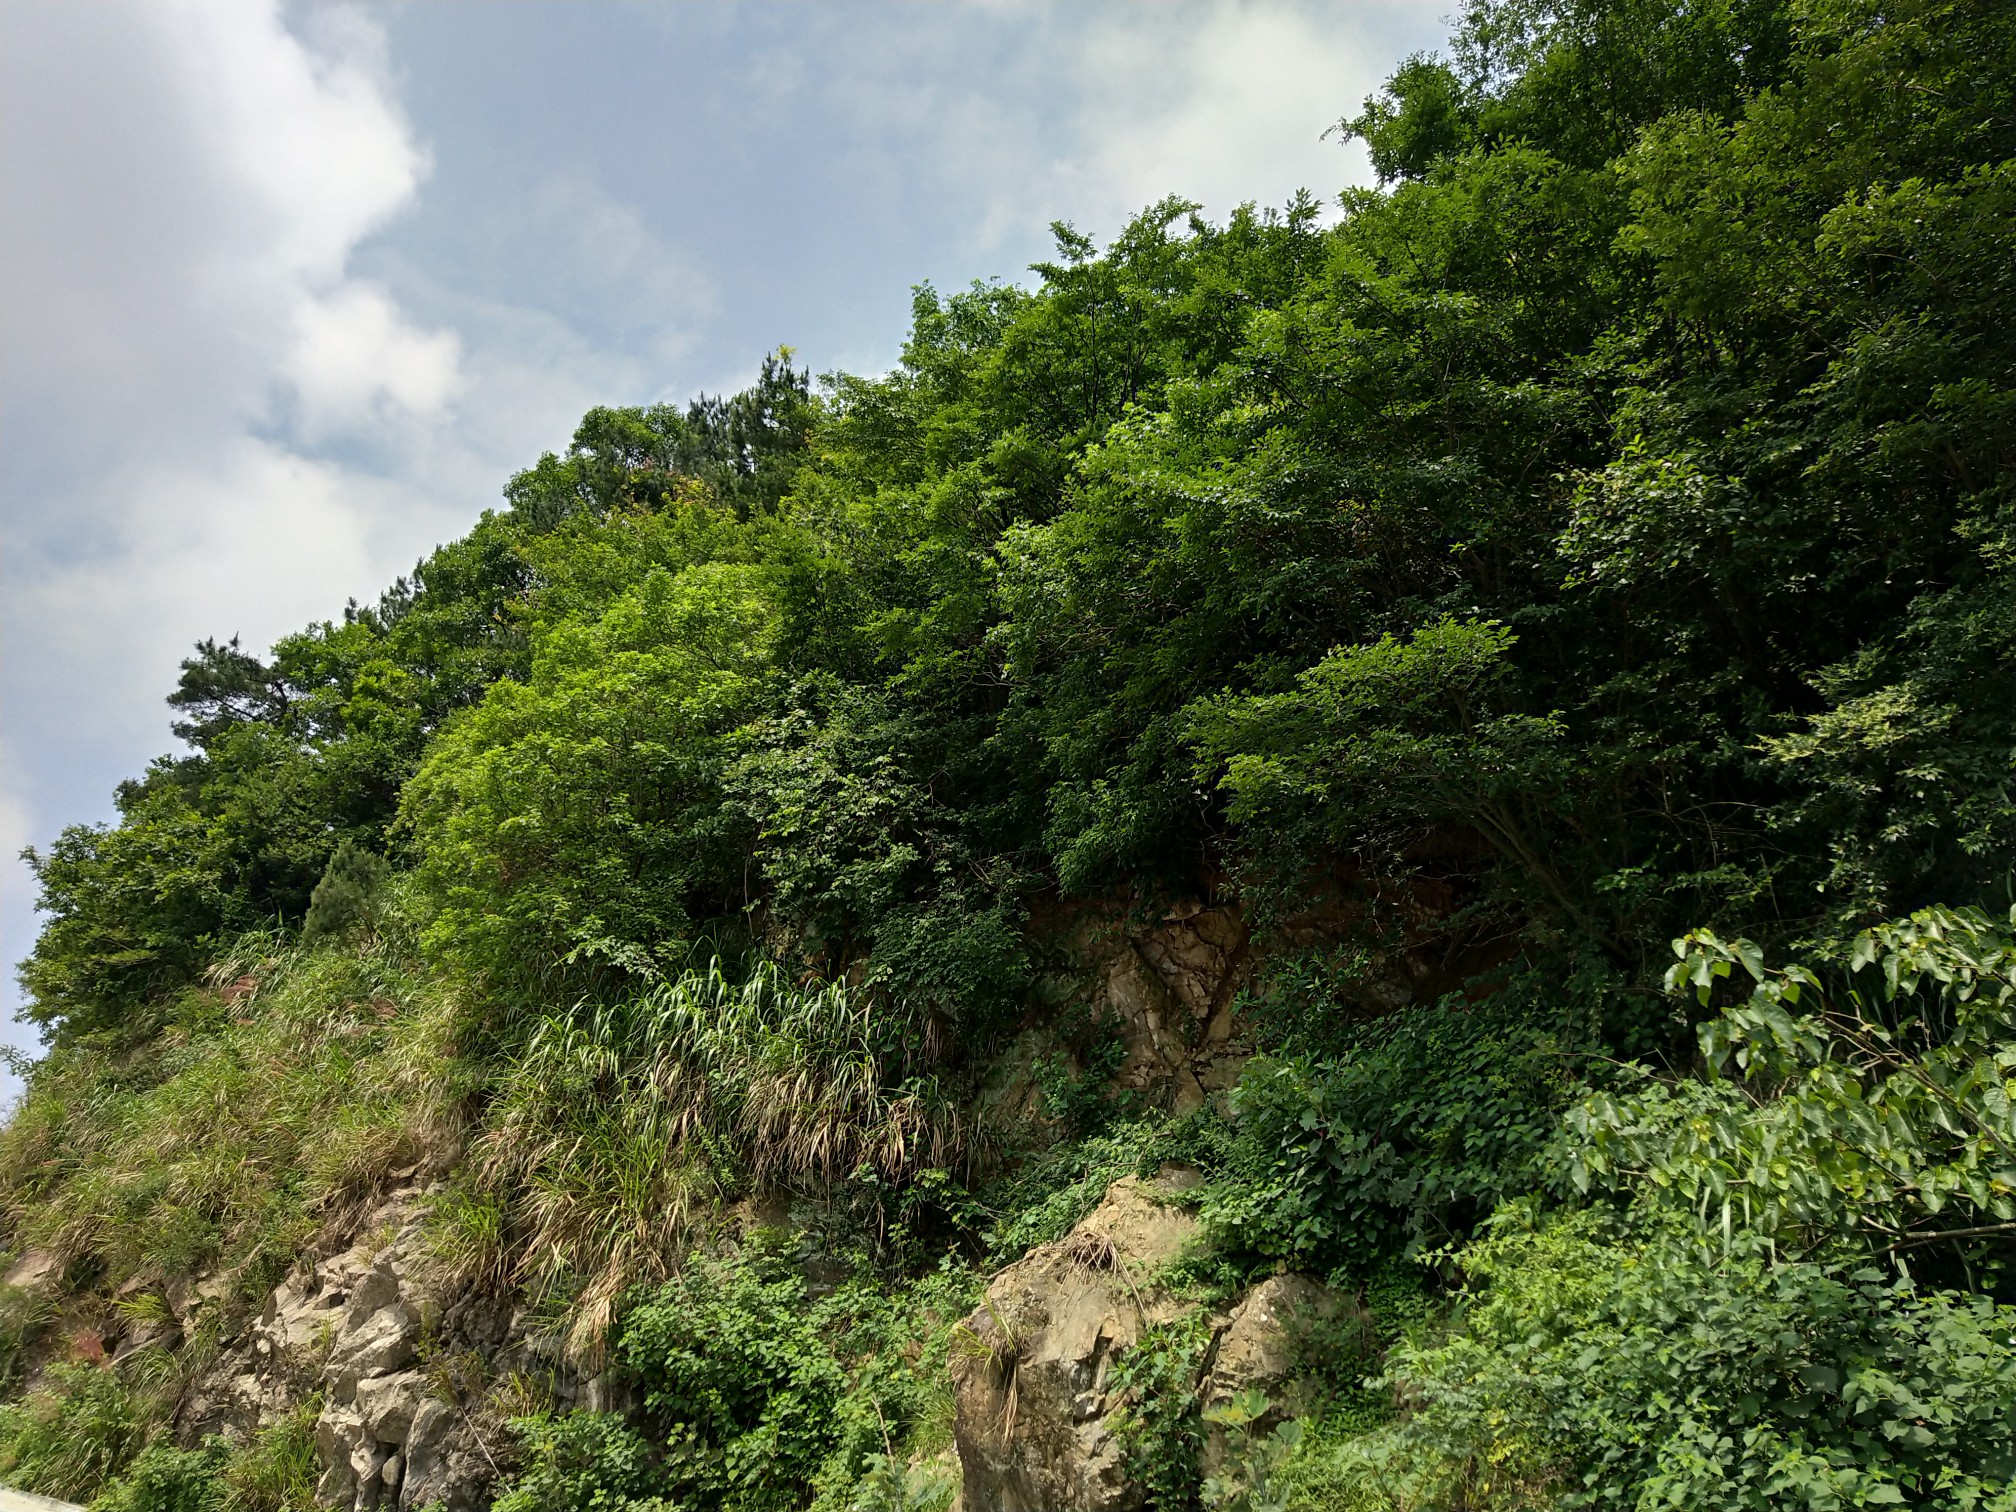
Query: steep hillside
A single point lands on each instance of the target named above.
(1312, 865)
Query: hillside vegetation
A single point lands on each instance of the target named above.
(1583, 571)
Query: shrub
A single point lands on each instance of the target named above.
(1053, 1191)
(1740, 1324)
(584, 1462)
(77, 1430)
(1630, 1372)
(1418, 1126)
(1856, 1111)
(754, 1395)
(571, 826)
(166, 1479)
(738, 1383)
(276, 1470)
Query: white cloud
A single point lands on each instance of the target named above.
(255, 532)
(1228, 104)
(186, 182)
(1092, 112)
(358, 365)
(183, 177)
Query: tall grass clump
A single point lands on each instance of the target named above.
(99, 1433)
(621, 1121)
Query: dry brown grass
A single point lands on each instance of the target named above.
(621, 1129)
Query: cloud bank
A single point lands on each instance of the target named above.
(207, 422)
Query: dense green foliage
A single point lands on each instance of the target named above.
(1395, 1144)
(1754, 1317)
(756, 1397)
(1602, 532)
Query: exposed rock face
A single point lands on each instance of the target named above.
(1168, 986)
(353, 1326)
(1255, 1348)
(1168, 980)
(387, 1437)
(1035, 1428)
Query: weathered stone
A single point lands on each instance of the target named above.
(1258, 1345)
(367, 1458)
(187, 1297)
(1261, 1347)
(1149, 1020)
(376, 1290)
(388, 1403)
(381, 1411)
(387, 1340)
(1194, 951)
(445, 1467)
(598, 1393)
(350, 1324)
(337, 1486)
(300, 1313)
(1033, 1428)
(151, 1335)
(428, 1442)
(337, 1431)
(35, 1269)
(234, 1396)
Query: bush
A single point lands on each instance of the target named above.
(1628, 1372)
(276, 1470)
(131, 913)
(1159, 1423)
(1421, 1123)
(584, 1462)
(1740, 1324)
(753, 1396)
(1049, 1195)
(571, 826)
(738, 1384)
(167, 1479)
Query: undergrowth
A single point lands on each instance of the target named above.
(756, 1395)
(275, 1103)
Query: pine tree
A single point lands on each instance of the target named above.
(347, 896)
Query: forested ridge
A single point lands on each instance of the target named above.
(1561, 605)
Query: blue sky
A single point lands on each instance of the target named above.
(286, 293)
